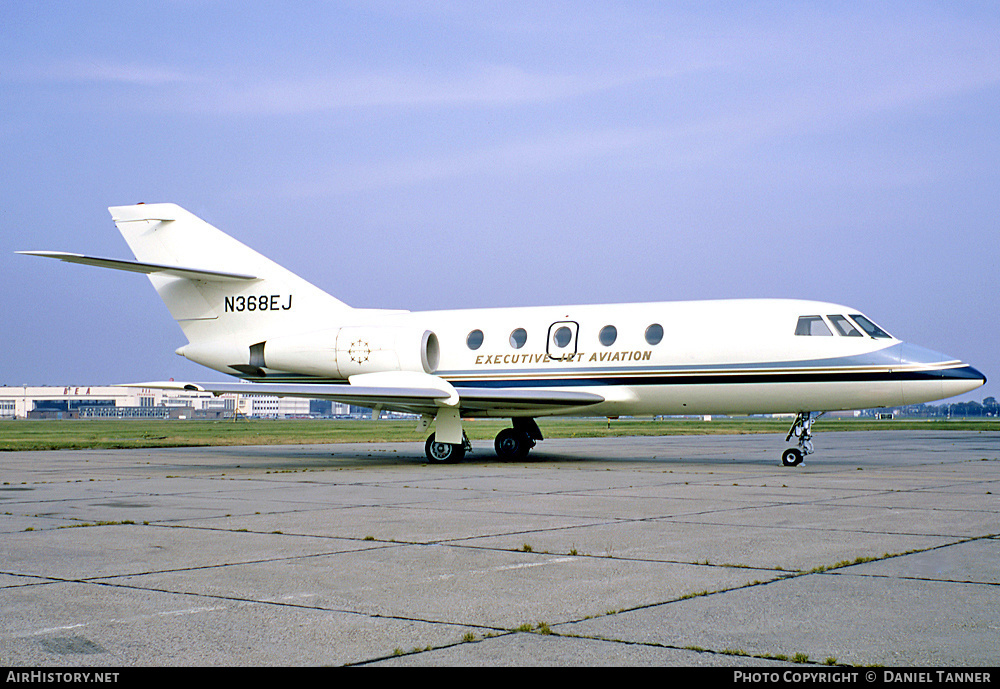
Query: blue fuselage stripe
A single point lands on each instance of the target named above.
(966, 372)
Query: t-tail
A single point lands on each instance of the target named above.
(226, 298)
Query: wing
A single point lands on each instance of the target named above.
(509, 402)
(412, 399)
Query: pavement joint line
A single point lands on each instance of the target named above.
(550, 631)
(495, 632)
(195, 568)
(457, 541)
(697, 649)
(102, 581)
(264, 601)
(834, 570)
(911, 577)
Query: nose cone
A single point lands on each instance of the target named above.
(962, 379)
(932, 373)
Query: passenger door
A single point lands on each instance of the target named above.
(561, 345)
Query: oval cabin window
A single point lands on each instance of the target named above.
(654, 334)
(518, 338)
(475, 339)
(609, 334)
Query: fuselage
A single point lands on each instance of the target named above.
(696, 357)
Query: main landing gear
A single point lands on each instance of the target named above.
(515, 443)
(446, 453)
(801, 429)
(510, 444)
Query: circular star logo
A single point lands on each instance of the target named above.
(359, 351)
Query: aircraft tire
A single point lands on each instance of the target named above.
(791, 457)
(443, 453)
(512, 444)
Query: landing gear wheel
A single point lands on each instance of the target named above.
(791, 457)
(512, 444)
(443, 453)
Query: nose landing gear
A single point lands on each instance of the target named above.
(801, 429)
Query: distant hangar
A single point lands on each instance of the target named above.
(120, 402)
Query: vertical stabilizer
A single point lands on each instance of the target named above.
(268, 299)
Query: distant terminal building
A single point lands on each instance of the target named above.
(117, 402)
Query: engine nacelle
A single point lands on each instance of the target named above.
(344, 352)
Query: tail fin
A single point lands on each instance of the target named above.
(208, 305)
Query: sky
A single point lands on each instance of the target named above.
(429, 155)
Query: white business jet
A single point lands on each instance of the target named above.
(248, 317)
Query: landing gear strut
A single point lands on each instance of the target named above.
(801, 429)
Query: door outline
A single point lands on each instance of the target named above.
(552, 348)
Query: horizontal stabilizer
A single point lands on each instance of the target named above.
(147, 268)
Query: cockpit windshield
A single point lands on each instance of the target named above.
(812, 326)
(869, 327)
(844, 326)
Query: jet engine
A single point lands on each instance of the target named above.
(337, 353)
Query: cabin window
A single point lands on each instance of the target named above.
(562, 336)
(609, 334)
(869, 327)
(812, 325)
(518, 338)
(475, 339)
(654, 334)
(844, 326)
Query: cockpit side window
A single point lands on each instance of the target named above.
(844, 326)
(812, 325)
(869, 327)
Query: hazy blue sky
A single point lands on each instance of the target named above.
(453, 154)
